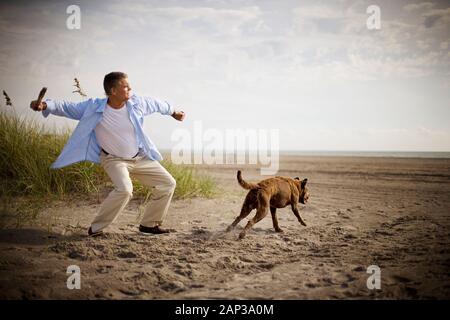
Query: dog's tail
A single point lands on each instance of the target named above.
(244, 184)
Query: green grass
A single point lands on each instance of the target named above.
(27, 150)
(26, 153)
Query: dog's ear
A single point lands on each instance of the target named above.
(297, 178)
(304, 181)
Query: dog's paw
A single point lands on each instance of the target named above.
(279, 230)
(241, 235)
(302, 222)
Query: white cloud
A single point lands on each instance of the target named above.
(411, 7)
(209, 20)
(437, 17)
(405, 47)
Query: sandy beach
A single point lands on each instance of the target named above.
(389, 212)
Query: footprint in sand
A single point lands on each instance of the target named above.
(130, 292)
(104, 269)
(266, 265)
(126, 255)
(246, 259)
(411, 291)
(350, 278)
(401, 279)
(74, 254)
(343, 215)
(184, 270)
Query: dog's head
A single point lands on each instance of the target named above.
(303, 190)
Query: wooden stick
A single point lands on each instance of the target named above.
(41, 95)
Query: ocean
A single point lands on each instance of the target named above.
(387, 154)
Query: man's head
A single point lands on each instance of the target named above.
(116, 85)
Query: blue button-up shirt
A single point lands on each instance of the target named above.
(82, 144)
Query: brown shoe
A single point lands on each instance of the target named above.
(94, 234)
(154, 230)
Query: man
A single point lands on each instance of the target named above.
(110, 132)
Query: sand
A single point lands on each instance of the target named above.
(389, 212)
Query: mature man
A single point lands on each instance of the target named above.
(110, 132)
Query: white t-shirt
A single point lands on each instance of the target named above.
(115, 133)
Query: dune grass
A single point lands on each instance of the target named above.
(27, 150)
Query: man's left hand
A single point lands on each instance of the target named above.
(178, 115)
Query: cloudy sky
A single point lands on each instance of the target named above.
(311, 69)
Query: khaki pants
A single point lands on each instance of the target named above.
(150, 173)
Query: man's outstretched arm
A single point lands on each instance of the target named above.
(151, 105)
(60, 108)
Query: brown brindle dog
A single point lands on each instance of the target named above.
(273, 193)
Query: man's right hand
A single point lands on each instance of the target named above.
(38, 107)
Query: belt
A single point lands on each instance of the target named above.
(107, 153)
